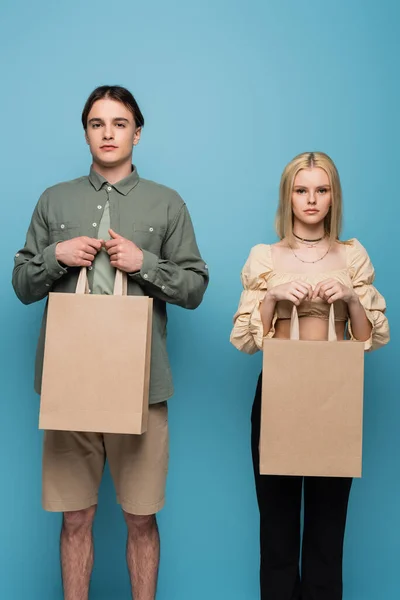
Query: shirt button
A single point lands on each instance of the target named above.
(47, 284)
(109, 189)
(61, 272)
(90, 268)
(145, 276)
(62, 226)
(94, 224)
(16, 256)
(206, 266)
(90, 291)
(163, 287)
(151, 229)
(99, 207)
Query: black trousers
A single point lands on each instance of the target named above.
(325, 509)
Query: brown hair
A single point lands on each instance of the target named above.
(114, 92)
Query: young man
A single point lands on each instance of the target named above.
(110, 220)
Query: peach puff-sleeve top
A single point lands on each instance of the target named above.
(259, 276)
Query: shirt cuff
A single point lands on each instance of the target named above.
(148, 272)
(54, 269)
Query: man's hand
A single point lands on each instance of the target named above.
(78, 252)
(124, 254)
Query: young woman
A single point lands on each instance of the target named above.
(311, 268)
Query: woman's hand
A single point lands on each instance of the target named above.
(294, 291)
(332, 290)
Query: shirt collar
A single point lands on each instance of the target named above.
(123, 187)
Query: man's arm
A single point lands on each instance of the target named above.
(180, 276)
(35, 266)
(39, 264)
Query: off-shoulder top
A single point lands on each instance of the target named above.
(259, 276)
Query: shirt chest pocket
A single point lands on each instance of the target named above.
(62, 231)
(148, 236)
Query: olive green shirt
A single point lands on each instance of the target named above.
(102, 274)
(151, 215)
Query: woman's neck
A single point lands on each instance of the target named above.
(309, 232)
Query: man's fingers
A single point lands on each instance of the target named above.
(86, 256)
(111, 243)
(93, 243)
(114, 250)
(114, 235)
(89, 250)
(83, 263)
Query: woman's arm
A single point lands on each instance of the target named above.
(361, 326)
(267, 311)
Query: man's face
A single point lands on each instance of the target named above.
(111, 133)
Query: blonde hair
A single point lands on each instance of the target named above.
(284, 215)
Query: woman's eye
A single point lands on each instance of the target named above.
(300, 191)
(322, 190)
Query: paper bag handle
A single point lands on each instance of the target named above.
(295, 328)
(120, 283)
(82, 286)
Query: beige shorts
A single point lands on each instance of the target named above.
(73, 465)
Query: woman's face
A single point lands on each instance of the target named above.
(311, 196)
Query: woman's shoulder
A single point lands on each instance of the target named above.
(355, 250)
(263, 255)
(358, 261)
(258, 264)
(260, 252)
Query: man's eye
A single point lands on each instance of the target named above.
(95, 125)
(121, 125)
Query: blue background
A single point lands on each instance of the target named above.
(231, 91)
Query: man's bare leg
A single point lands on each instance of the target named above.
(143, 555)
(77, 553)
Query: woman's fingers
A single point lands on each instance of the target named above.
(334, 297)
(299, 294)
(294, 299)
(303, 288)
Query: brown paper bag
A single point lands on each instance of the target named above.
(97, 361)
(312, 405)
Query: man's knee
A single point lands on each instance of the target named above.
(139, 525)
(79, 520)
